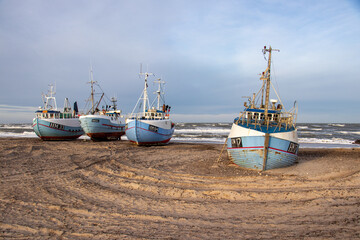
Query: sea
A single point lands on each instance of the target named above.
(311, 135)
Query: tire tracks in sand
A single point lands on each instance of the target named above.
(114, 190)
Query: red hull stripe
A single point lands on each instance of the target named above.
(110, 134)
(282, 151)
(247, 147)
(55, 128)
(150, 131)
(107, 125)
(261, 147)
(149, 143)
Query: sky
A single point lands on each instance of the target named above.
(208, 52)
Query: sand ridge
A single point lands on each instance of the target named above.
(115, 190)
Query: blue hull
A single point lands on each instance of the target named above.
(56, 130)
(248, 152)
(98, 128)
(143, 133)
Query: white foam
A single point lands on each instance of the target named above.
(199, 140)
(6, 126)
(316, 129)
(18, 135)
(203, 130)
(320, 140)
(337, 125)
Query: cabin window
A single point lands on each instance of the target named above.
(276, 117)
(261, 116)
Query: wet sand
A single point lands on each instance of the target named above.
(115, 190)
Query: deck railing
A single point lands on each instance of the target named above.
(284, 120)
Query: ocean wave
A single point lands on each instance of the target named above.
(203, 130)
(199, 140)
(11, 126)
(336, 125)
(324, 140)
(18, 135)
(316, 129)
(347, 132)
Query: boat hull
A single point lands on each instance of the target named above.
(149, 132)
(57, 129)
(247, 148)
(102, 127)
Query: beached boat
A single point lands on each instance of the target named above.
(150, 125)
(264, 136)
(52, 124)
(105, 124)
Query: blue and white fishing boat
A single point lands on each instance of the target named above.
(105, 124)
(52, 124)
(264, 136)
(151, 125)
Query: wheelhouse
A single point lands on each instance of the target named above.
(52, 114)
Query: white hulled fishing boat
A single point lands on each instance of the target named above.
(104, 124)
(151, 125)
(264, 136)
(52, 124)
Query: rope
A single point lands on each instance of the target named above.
(222, 150)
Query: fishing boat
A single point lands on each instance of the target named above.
(151, 125)
(104, 124)
(264, 136)
(53, 124)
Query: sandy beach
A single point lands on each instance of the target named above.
(115, 190)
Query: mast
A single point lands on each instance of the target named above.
(49, 97)
(266, 77)
(158, 92)
(146, 98)
(113, 100)
(92, 90)
(67, 107)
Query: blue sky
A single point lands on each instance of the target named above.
(208, 52)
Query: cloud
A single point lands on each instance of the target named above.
(16, 114)
(209, 52)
